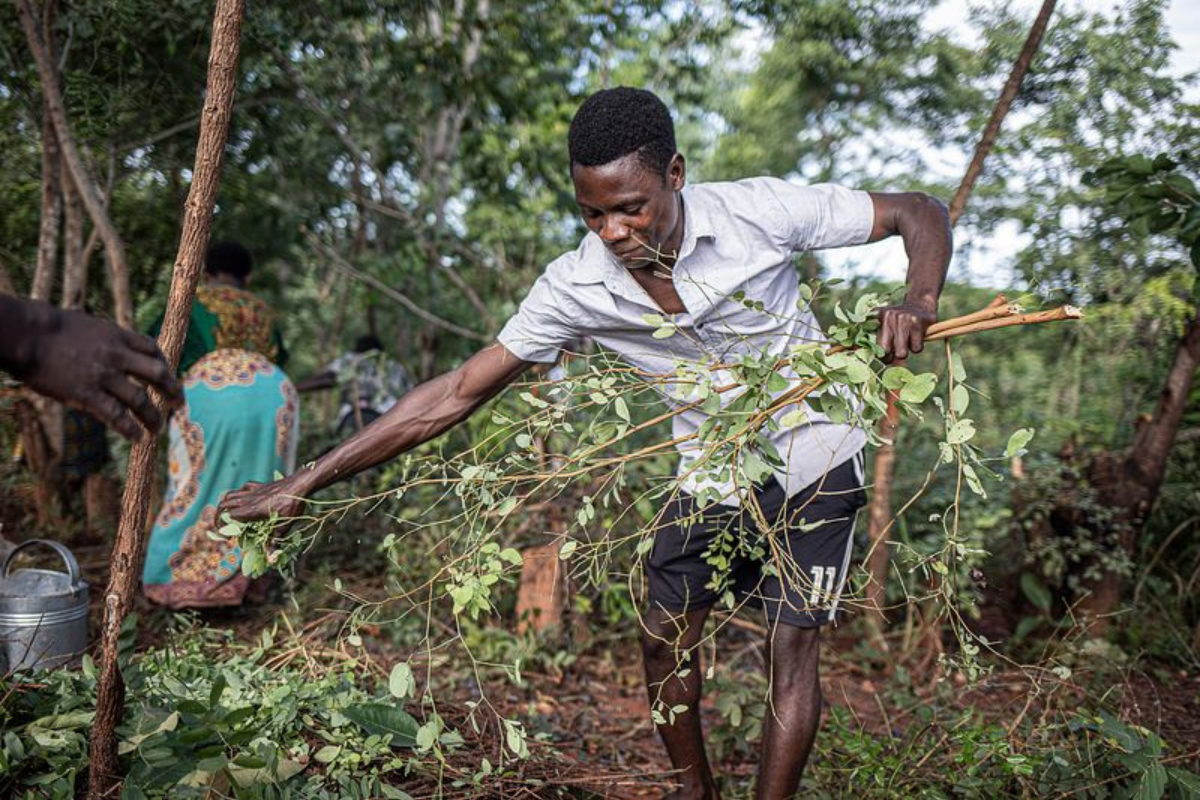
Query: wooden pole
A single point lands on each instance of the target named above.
(883, 470)
(125, 563)
(1003, 104)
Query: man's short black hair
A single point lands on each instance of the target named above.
(230, 258)
(613, 123)
(366, 343)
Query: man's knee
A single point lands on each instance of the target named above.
(670, 636)
(794, 657)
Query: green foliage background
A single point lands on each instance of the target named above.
(340, 144)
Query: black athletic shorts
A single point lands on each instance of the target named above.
(794, 570)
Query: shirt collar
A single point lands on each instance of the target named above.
(597, 263)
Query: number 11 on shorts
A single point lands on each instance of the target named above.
(823, 578)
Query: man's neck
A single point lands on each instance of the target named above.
(675, 239)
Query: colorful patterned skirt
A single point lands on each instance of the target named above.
(240, 423)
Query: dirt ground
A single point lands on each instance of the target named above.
(598, 740)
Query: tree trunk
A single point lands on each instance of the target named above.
(43, 459)
(74, 266)
(1007, 95)
(47, 252)
(542, 592)
(885, 460)
(879, 520)
(125, 563)
(113, 246)
(6, 283)
(1131, 484)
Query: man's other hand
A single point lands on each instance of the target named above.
(902, 329)
(93, 365)
(257, 501)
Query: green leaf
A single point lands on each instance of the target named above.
(857, 371)
(834, 406)
(919, 388)
(973, 482)
(793, 419)
(1139, 165)
(383, 719)
(254, 563)
(426, 735)
(1035, 592)
(131, 792)
(655, 320)
(896, 377)
(956, 368)
(665, 332)
(960, 432)
(462, 597)
(1152, 784)
(401, 683)
(754, 468)
(621, 409)
(568, 547)
(536, 402)
(514, 737)
(1187, 782)
(218, 688)
(1025, 627)
(777, 383)
(328, 753)
(1018, 441)
(960, 398)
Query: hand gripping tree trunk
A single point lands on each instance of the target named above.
(197, 225)
(114, 248)
(880, 513)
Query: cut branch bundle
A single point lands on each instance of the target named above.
(997, 314)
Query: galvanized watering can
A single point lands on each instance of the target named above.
(43, 614)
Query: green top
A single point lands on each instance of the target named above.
(226, 317)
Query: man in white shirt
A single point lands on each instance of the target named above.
(693, 255)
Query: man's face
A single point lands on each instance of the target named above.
(634, 210)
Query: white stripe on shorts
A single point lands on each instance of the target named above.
(859, 460)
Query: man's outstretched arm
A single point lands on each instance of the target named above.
(924, 225)
(427, 411)
(85, 362)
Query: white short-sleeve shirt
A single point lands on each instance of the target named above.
(738, 237)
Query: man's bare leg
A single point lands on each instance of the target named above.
(791, 723)
(665, 640)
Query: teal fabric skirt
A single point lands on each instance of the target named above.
(240, 423)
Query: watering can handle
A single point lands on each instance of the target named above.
(67, 556)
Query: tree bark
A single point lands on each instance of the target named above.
(113, 246)
(47, 252)
(74, 266)
(6, 283)
(879, 512)
(883, 470)
(126, 557)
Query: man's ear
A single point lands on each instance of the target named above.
(677, 172)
